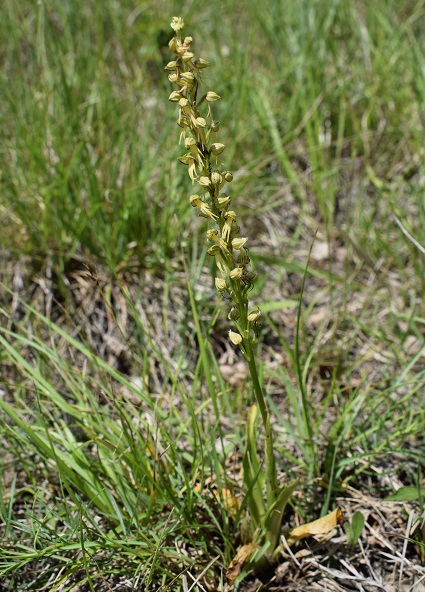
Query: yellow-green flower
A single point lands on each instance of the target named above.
(202, 146)
(177, 23)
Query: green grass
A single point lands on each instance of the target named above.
(112, 475)
(86, 156)
(116, 472)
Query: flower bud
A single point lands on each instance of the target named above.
(228, 176)
(171, 66)
(238, 243)
(254, 316)
(175, 96)
(217, 148)
(236, 273)
(200, 63)
(215, 126)
(233, 314)
(173, 45)
(220, 284)
(235, 338)
(204, 181)
(216, 178)
(187, 40)
(187, 77)
(187, 56)
(174, 78)
(212, 96)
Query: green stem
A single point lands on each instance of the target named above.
(271, 477)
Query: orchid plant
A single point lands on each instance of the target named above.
(234, 280)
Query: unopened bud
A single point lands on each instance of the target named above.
(174, 78)
(200, 63)
(254, 316)
(188, 77)
(175, 96)
(173, 45)
(215, 126)
(233, 314)
(212, 96)
(216, 178)
(228, 176)
(200, 122)
(220, 284)
(236, 273)
(188, 40)
(235, 338)
(188, 55)
(171, 65)
(204, 181)
(217, 148)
